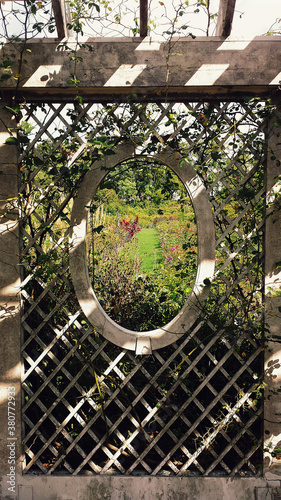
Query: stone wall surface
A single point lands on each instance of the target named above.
(10, 367)
(143, 488)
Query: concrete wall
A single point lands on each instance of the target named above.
(141, 488)
(10, 367)
(30, 487)
(272, 405)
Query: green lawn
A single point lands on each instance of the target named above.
(149, 249)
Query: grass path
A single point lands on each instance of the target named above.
(149, 249)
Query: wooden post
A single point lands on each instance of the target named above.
(62, 18)
(143, 17)
(225, 17)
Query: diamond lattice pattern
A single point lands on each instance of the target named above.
(192, 408)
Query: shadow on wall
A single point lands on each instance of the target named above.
(272, 392)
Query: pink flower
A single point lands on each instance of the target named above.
(173, 249)
(169, 258)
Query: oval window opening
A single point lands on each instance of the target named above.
(142, 244)
(82, 252)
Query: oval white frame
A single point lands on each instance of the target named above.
(141, 342)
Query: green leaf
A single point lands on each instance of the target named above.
(43, 257)
(5, 77)
(98, 229)
(109, 152)
(215, 155)
(101, 138)
(12, 141)
(23, 139)
(15, 110)
(53, 171)
(6, 64)
(64, 171)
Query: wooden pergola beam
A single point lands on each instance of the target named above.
(204, 68)
(224, 24)
(62, 18)
(143, 17)
(225, 17)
